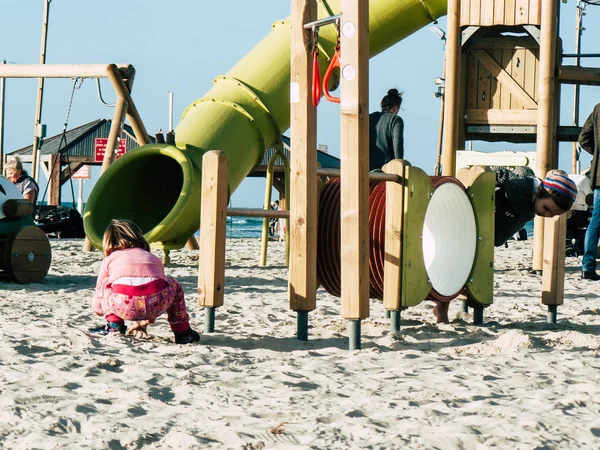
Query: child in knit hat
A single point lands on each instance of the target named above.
(520, 196)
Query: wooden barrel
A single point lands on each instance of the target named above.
(26, 255)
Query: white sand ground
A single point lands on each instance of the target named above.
(515, 383)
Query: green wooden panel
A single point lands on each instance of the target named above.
(480, 287)
(417, 193)
(8, 226)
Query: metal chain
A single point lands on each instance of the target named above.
(71, 100)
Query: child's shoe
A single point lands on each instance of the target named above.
(186, 337)
(110, 327)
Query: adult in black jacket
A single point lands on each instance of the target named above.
(589, 140)
(386, 131)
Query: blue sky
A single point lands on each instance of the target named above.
(181, 45)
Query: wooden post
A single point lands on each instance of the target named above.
(192, 243)
(354, 144)
(576, 88)
(303, 205)
(546, 127)
(2, 91)
(438, 158)
(452, 89)
(116, 130)
(55, 180)
(553, 277)
(267, 205)
(40, 95)
(287, 196)
(121, 89)
(213, 217)
(394, 220)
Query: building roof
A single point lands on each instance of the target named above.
(325, 160)
(79, 141)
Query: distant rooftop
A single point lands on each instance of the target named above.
(79, 141)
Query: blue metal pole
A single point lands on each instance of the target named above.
(354, 334)
(209, 319)
(302, 326)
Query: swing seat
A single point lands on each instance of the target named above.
(60, 221)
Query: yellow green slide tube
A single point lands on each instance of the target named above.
(158, 186)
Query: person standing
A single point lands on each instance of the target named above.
(386, 131)
(589, 140)
(273, 221)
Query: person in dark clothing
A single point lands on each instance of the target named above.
(386, 131)
(589, 140)
(19, 177)
(520, 196)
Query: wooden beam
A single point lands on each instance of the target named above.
(62, 70)
(500, 117)
(54, 180)
(589, 76)
(553, 277)
(213, 217)
(354, 144)
(132, 113)
(452, 94)
(68, 171)
(394, 221)
(504, 42)
(546, 129)
(303, 203)
(503, 77)
(116, 130)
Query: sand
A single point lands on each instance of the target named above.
(514, 383)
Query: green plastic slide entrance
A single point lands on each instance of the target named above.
(158, 186)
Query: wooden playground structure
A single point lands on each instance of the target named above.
(498, 86)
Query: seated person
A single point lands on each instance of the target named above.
(20, 178)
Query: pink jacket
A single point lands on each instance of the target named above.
(130, 262)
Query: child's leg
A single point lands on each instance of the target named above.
(178, 317)
(104, 304)
(97, 301)
(440, 311)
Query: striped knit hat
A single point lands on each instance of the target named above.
(561, 183)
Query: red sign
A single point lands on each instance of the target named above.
(82, 172)
(100, 149)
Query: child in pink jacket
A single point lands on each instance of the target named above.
(132, 286)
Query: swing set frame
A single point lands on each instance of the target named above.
(121, 77)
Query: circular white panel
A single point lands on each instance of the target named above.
(449, 239)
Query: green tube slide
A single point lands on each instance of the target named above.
(158, 186)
